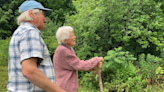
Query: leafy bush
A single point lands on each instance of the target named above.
(106, 24)
(119, 72)
(88, 80)
(136, 26)
(119, 65)
(132, 84)
(9, 12)
(135, 84)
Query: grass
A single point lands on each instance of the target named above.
(3, 78)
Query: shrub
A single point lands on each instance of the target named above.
(119, 65)
(118, 73)
(88, 80)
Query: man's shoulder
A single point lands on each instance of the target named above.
(26, 27)
(23, 29)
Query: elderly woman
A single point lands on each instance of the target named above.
(67, 64)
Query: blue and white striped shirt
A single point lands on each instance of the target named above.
(27, 42)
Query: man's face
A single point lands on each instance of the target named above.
(40, 20)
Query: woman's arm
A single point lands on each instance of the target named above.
(82, 65)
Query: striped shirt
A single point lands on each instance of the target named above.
(27, 42)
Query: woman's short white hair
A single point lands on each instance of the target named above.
(26, 17)
(63, 33)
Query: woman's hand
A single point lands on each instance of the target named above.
(100, 63)
(102, 59)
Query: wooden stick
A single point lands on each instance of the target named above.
(100, 80)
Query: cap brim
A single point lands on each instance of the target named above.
(47, 11)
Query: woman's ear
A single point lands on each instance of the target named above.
(65, 41)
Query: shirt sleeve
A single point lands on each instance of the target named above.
(30, 45)
(81, 65)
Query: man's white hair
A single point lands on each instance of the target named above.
(23, 17)
(63, 33)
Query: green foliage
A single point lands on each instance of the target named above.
(84, 89)
(148, 66)
(127, 33)
(136, 26)
(134, 84)
(118, 73)
(119, 65)
(88, 80)
(155, 88)
(85, 25)
(49, 35)
(9, 13)
(105, 24)
(60, 8)
(4, 52)
(159, 70)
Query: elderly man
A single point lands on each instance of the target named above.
(30, 68)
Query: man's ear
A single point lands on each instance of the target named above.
(30, 13)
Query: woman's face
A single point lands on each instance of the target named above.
(71, 41)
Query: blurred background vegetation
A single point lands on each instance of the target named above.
(129, 34)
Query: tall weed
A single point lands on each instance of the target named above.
(148, 65)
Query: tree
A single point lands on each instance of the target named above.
(9, 13)
(106, 24)
(134, 25)
(60, 8)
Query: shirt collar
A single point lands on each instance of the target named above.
(66, 46)
(29, 24)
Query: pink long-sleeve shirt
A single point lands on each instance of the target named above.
(67, 65)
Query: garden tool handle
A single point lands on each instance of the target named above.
(100, 80)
